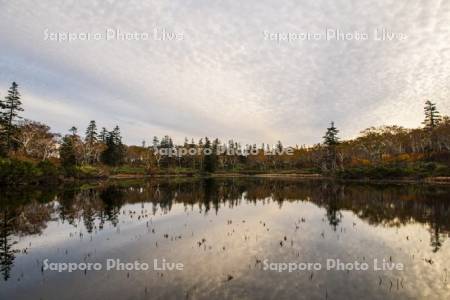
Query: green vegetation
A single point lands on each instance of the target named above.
(114, 153)
(17, 172)
(10, 109)
(30, 153)
(129, 170)
(386, 172)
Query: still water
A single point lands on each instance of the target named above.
(232, 238)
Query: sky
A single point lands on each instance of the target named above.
(226, 68)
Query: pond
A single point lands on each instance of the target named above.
(231, 238)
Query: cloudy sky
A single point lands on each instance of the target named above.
(225, 74)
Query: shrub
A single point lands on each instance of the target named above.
(129, 170)
(47, 169)
(442, 171)
(379, 172)
(88, 171)
(17, 172)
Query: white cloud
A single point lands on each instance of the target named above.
(223, 79)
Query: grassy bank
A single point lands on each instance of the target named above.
(416, 171)
(21, 172)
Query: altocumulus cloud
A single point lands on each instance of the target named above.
(223, 78)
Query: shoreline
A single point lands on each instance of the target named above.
(427, 180)
(219, 175)
(432, 180)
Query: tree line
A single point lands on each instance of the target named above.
(378, 151)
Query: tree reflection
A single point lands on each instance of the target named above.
(332, 194)
(22, 212)
(113, 199)
(28, 212)
(6, 244)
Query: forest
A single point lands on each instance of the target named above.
(31, 153)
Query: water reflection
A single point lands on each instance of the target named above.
(90, 209)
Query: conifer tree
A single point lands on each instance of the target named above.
(432, 116)
(90, 141)
(279, 146)
(91, 133)
(73, 130)
(116, 135)
(11, 107)
(67, 153)
(2, 129)
(432, 120)
(330, 138)
(102, 135)
(155, 142)
(209, 162)
(114, 153)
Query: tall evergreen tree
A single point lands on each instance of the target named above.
(91, 133)
(67, 153)
(331, 140)
(432, 116)
(331, 136)
(2, 114)
(2, 129)
(155, 142)
(103, 134)
(108, 155)
(279, 146)
(114, 153)
(116, 135)
(11, 107)
(166, 142)
(90, 140)
(432, 120)
(73, 130)
(210, 156)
